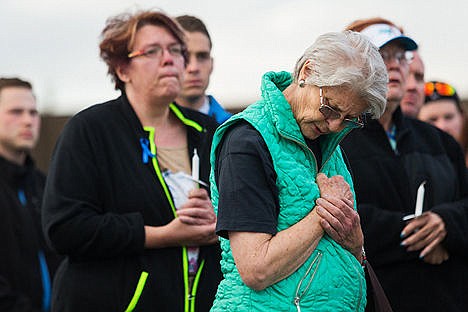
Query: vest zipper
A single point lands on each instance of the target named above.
(304, 146)
(299, 294)
(315, 159)
(360, 286)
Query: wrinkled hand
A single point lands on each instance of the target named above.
(338, 217)
(335, 186)
(197, 210)
(438, 255)
(424, 232)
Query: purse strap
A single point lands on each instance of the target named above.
(381, 302)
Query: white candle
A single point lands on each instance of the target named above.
(419, 200)
(195, 167)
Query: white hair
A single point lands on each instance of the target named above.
(348, 59)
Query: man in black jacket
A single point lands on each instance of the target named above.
(25, 263)
(422, 263)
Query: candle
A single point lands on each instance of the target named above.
(195, 167)
(419, 200)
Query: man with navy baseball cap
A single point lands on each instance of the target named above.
(382, 34)
(422, 263)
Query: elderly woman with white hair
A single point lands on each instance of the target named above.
(289, 231)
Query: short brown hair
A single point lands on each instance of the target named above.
(14, 82)
(119, 34)
(193, 24)
(359, 25)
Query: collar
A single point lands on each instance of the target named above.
(399, 120)
(183, 114)
(14, 174)
(273, 85)
(205, 108)
(401, 123)
(187, 116)
(217, 111)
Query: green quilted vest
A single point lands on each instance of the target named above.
(331, 279)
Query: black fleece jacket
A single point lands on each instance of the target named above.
(386, 185)
(21, 239)
(99, 195)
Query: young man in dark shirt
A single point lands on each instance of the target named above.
(26, 264)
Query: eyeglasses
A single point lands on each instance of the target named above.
(441, 88)
(156, 51)
(330, 113)
(402, 57)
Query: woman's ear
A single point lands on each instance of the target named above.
(122, 72)
(306, 70)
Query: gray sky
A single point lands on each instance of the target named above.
(54, 43)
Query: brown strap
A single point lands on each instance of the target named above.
(381, 302)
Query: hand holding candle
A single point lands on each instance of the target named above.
(419, 203)
(195, 167)
(419, 200)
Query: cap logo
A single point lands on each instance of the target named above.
(381, 34)
(389, 31)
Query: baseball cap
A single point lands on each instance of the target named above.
(382, 34)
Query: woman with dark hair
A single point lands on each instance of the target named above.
(442, 108)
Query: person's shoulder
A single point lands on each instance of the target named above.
(419, 124)
(242, 136)
(428, 130)
(242, 128)
(202, 119)
(357, 135)
(433, 135)
(94, 118)
(96, 111)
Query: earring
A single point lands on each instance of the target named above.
(302, 83)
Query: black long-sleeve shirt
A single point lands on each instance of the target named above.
(100, 194)
(386, 184)
(22, 246)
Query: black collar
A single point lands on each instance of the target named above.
(14, 174)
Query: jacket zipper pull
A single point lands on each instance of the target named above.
(296, 302)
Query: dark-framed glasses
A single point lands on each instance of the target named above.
(330, 113)
(156, 51)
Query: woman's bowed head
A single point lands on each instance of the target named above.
(339, 81)
(294, 231)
